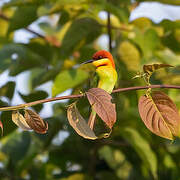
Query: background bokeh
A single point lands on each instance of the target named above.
(43, 39)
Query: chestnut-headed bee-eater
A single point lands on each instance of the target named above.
(105, 69)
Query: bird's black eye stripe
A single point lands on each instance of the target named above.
(100, 57)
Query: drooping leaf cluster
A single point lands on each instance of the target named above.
(69, 33)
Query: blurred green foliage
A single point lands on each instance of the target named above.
(71, 30)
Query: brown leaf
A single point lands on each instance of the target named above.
(160, 114)
(78, 123)
(1, 126)
(35, 121)
(100, 101)
(149, 69)
(20, 121)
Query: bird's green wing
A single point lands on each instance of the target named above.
(94, 78)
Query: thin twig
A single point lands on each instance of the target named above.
(22, 106)
(109, 30)
(3, 16)
(122, 28)
(35, 33)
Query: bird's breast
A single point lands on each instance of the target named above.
(107, 78)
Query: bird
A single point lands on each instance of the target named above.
(105, 68)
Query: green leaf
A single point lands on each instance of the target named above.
(34, 96)
(169, 162)
(61, 4)
(168, 56)
(5, 61)
(86, 29)
(142, 148)
(41, 48)
(130, 55)
(68, 79)
(16, 146)
(27, 160)
(40, 76)
(21, 3)
(3, 103)
(24, 58)
(170, 25)
(108, 153)
(86, 52)
(151, 40)
(9, 126)
(116, 160)
(171, 42)
(23, 17)
(114, 7)
(8, 89)
(148, 42)
(13, 3)
(4, 27)
(142, 23)
(64, 18)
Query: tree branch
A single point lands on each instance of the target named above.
(146, 87)
(3, 16)
(22, 106)
(109, 30)
(122, 28)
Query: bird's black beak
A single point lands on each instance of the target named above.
(89, 61)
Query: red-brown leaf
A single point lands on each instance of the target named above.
(35, 122)
(100, 101)
(160, 114)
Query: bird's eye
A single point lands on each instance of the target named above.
(100, 57)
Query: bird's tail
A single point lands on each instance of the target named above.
(91, 120)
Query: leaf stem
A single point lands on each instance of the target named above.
(22, 106)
